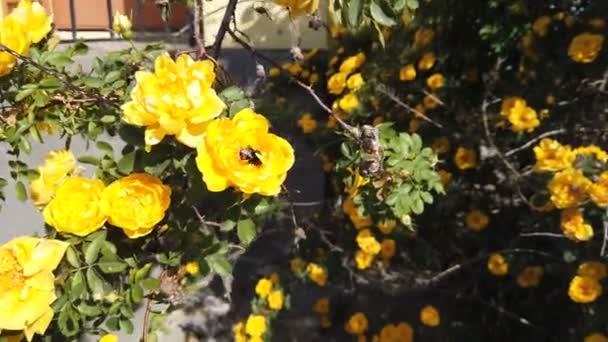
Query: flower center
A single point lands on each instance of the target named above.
(250, 155)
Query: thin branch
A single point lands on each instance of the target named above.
(61, 77)
(146, 323)
(533, 141)
(433, 96)
(352, 130)
(199, 33)
(384, 90)
(543, 234)
(204, 222)
(224, 27)
(605, 242)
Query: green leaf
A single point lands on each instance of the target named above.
(49, 83)
(105, 147)
(137, 294)
(219, 264)
(20, 191)
(354, 12)
(245, 229)
(113, 76)
(3, 182)
(89, 310)
(72, 257)
(77, 286)
(227, 225)
(379, 16)
(93, 82)
(412, 4)
(399, 5)
(108, 119)
(96, 284)
(126, 325)
(112, 323)
(108, 266)
(127, 163)
(24, 93)
(158, 169)
(92, 250)
(142, 272)
(68, 324)
(232, 93)
(150, 284)
(237, 106)
(89, 160)
(427, 197)
(60, 60)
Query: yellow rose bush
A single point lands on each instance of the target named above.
(436, 165)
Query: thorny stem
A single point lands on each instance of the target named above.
(350, 129)
(59, 76)
(383, 90)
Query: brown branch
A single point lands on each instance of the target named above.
(199, 26)
(224, 27)
(61, 77)
(146, 323)
(350, 129)
(384, 90)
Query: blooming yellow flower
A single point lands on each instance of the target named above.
(263, 287)
(274, 72)
(523, 118)
(591, 151)
(352, 63)
(568, 188)
(57, 165)
(465, 158)
(429, 316)
(367, 242)
(573, 225)
(597, 337)
(13, 35)
(530, 276)
(299, 7)
(435, 81)
(177, 99)
(357, 324)
(423, 37)
(541, 25)
(307, 123)
(355, 81)
(108, 338)
(27, 286)
(314, 78)
(256, 325)
(136, 203)
(321, 306)
(275, 300)
(317, 274)
(386, 227)
(593, 269)
(352, 211)
(407, 73)
(401, 332)
(445, 177)
(509, 103)
(387, 248)
(441, 145)
(552, 156)
(337, 83)
(429, 102)
(192, 268)
(599, 190)
(363, 260)
(585, 47)
(476, 220)
(33, 18)
(294, 69)
(122, 24)
(349, 102)
(238, 331)
(498, 265)
(584, 289)
(240, 152)
(427, 61)
(76, 208)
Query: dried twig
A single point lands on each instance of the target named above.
(533, 141)
(390, 94)
(224, 27)
(204, 222)
(61, 77)
(543, 234)
(199, 28)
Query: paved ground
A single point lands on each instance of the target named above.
(17, 218)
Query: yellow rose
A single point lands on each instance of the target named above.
(238, 330)
(541, 25)
(465, 158)
(76, 208)
(509, 103)
(275, 300)
(274, 72)
(263, 287)
(401, 332)
(352, 211)
(523, 118)
(530, 276)
(386, 227)
(352, 63)
(599, 190)
(192, 268)
(585, 47)
(597, 337)
(27, 286)
(476, 220)
(591, 151)
(308, 123)
(317, 274)
(57, 165)
(363, 259)
(573, 225)
(367, 242)
(34, 20)
(584, 289)
(427, 61)
(108, 338)
(321, 306)
(498, 265)
(136, 203)
(122, 25)
(552, 156)
(435, 81)
(337, 83)
(593, 269)
(299, 7)
(177, 99)
(441, 145)
(423, 37)
(355, 81)
(357, 324)
(240, 152)
(13, 35)
(568, 188)
(349, 103)
(256, 325)
(429, 316)
(407, 73)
